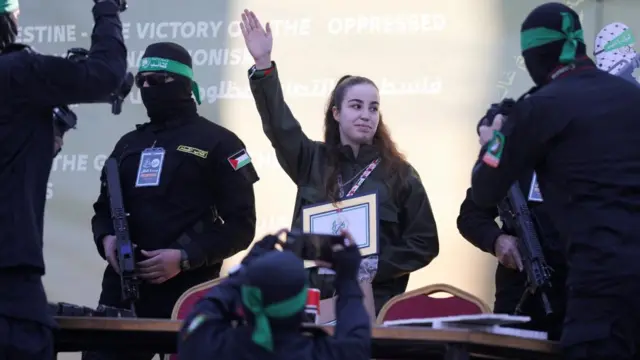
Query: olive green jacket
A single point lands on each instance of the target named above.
(408, 238)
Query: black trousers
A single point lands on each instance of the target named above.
(156, 301)
(152, 304)
(603, 325)
(25, 340)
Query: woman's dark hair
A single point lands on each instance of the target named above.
(8, 30)
(393, 163)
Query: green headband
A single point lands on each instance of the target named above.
(156, 64)
(7, 6)
(252, 300)
(540, 36)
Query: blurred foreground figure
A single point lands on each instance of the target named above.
(32, 86)
(257, 311)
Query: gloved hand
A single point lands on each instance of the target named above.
(346, 259)
(122, 4)
(261, 247)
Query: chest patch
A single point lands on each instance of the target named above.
(193, 151)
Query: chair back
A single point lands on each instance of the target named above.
(421, 304)
(187, 301)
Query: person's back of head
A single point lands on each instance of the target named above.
(274, 294)
(9, 10)
(551, 36)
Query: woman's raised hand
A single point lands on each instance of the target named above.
(259, 40)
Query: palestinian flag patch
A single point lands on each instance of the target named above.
(239, 159)
(194, 324)
(494, 150)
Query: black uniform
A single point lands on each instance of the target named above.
(209, 331)
(581, 133)
(478, 226)
(202, 205)
(32, 86)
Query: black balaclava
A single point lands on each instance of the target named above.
(8, 30)
(173, 99)
(551, 36)
(274, 295)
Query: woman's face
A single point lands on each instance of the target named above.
(358, 115)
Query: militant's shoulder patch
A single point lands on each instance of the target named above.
(239, 159)
(194, 324)
(494, 150)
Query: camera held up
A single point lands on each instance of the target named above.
(65, 119)
(502, 108)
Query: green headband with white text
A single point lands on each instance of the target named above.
(157, 64)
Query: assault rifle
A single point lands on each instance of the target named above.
(516, 215)
(125, 252)
(67, 309)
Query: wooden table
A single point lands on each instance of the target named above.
(160, 336)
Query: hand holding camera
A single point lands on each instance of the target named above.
(263, 246)
(347, 258)
(338, 252)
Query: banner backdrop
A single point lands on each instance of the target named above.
(438, 64)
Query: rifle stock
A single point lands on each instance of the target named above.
(515, 212)
(124, 247)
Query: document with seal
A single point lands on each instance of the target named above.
(357, 214)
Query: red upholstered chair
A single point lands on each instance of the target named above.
(419, 304)
(187, 301)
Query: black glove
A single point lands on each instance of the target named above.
(346, 262)
(122, 4)
(267, 244)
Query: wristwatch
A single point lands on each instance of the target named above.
(252, 71)
(185, 265)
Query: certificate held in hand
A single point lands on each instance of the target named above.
(357, 214)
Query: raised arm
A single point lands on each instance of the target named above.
(294, 150)
(351, 339)
(53, 81)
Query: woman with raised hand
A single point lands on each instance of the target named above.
(356, 157)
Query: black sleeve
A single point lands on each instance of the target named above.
(478, 225)
(213, 240)
(53, 81)
(420, 243)
(207, 332)
(516, 149)
(352, 336)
